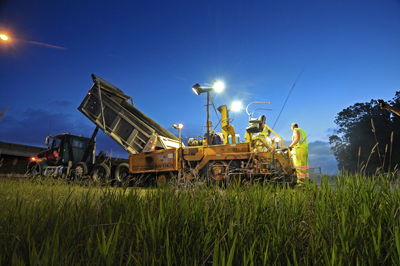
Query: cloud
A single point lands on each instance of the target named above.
(319, 155)
(33, 125)
(3, 112)
(47, 45)
(58, 103)
(106, 144)
(331, 131)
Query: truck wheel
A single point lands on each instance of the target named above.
(218, 171)
(162, 179)
(101, 173)
(122, 176)
(34, 170)
(79, 170)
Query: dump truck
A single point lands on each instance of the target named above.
(108, 108)
(156, 155)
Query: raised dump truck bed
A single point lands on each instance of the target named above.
(107, 107)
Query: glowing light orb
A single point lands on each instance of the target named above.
(4, 37)
(236, 106)
(219, 86)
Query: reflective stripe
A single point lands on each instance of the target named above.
(302, 175)
(301, 136)
(302, 167)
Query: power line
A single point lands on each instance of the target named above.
(294, 84)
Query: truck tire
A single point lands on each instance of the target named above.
(34, 170)
(101, 173)
(164, 178)
(122, 175)
(79, 170)
(217, 172)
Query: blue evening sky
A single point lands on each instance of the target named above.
(155, 51)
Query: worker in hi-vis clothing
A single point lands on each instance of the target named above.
(299, 147)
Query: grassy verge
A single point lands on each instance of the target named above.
(47, 222)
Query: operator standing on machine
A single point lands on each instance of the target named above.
(299, 153)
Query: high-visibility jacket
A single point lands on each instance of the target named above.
(303, 139)
(300, 155)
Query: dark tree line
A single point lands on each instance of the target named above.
(361, 127)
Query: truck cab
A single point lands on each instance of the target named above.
(64, 151)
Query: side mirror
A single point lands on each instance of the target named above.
(47, 141)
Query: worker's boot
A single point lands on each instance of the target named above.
(301, 183)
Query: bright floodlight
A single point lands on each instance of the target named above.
(177, 126)
(4, 37)
(197, 89)
(218, 86)
(236, 106)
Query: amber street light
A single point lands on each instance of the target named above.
(4, 37)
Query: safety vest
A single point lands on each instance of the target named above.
(303, 139)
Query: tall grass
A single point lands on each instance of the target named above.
(356, 222)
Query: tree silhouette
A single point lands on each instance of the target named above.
(364, 138)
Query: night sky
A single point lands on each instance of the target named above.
(155, 51)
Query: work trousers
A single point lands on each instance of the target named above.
(300, 162)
